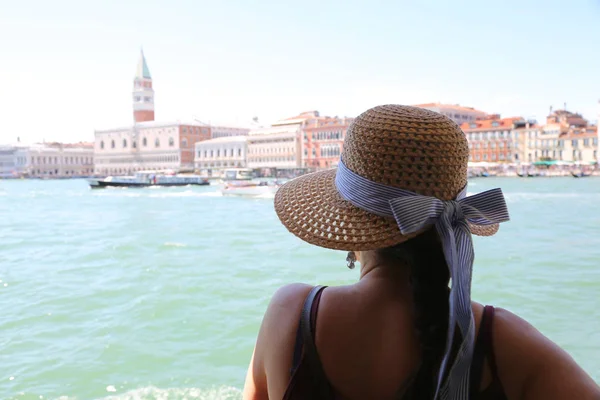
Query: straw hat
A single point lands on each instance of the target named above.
(406, 147)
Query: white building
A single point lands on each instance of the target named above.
(455, 112)
(227, 131)
(223, 152)
(58, 160)
(278, 146)
(147, 145)
(13, 161)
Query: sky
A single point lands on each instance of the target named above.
(67, 66)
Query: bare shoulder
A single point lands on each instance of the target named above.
(531, 366)
(288, 297)
(275, 334)
(284, 309)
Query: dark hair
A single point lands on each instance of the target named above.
(429, 277)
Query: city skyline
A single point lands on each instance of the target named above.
(69, 67)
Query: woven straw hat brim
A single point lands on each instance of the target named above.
(311, 208)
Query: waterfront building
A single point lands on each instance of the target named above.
(322, 141)
(278, 146)
(455, 112)
(580, 145)
(147, 144)
(59, 160)
(52, 160)
(524, 136)
(223, 152)
(492, 139)
(13, 160)
(566, 136)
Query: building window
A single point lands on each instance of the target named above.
(172, 142)
(219, 153)
(586, 142)
(112, 144)
(134, 144)
(144, 142)
(102, 145)
(124, 142)
(156, 142)
(239, 152)
(205, 153)
(147, 99)
(574, 143)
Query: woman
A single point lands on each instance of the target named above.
(397, 203)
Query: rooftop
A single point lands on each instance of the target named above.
(152, 124)
(276, 129)
(490, 123)
(448, 106)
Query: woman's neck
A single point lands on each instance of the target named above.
(374, 268)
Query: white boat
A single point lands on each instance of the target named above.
(148, 179)
(249, 188)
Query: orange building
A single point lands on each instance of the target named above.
(322, 141)
(491, 139)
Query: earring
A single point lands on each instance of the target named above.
(351, 259)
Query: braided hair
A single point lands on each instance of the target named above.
(429, 279)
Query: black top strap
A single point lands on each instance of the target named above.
(299, 345)
(489, 341)
(305, 340)
(479, 354)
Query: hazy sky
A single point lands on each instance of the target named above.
(66, 66)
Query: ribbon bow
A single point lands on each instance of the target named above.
(414, 212)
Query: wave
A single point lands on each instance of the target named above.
(188, 193)
(154, 393)
(174, 244)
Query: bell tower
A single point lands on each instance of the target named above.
(143, 94)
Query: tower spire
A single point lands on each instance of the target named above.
(142, 71)
(143, 94)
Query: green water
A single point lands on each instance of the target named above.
(158, 294)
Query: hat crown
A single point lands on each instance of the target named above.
(410, 148)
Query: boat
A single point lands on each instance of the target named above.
(249, 188)
(580, 174)
(148, 179)
(238, 174)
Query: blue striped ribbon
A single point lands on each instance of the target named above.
(414, 212)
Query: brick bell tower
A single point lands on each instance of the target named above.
(143, 94)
